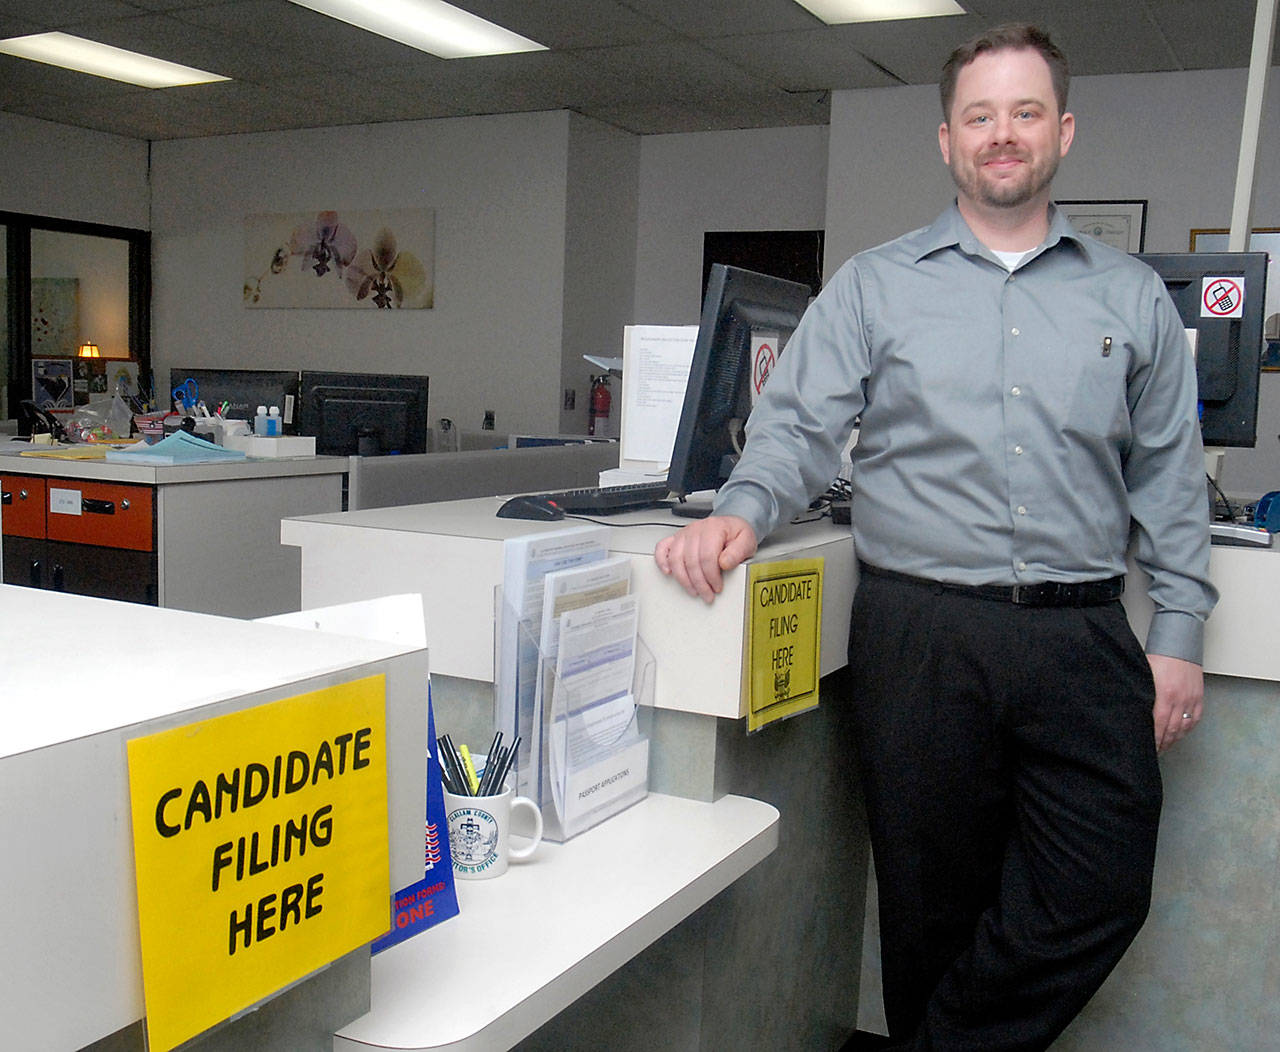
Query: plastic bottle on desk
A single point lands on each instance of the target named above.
(274, 424)
(260, 421)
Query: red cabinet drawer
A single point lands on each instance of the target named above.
(110, 514)
(22, 503)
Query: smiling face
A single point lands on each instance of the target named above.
(1004, 136)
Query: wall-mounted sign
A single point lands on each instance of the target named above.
(260, 850)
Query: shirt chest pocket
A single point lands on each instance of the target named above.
(1095, 391)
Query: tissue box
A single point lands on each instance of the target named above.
(277, 446)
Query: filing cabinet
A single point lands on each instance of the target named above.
(79, 536)
(203, 537)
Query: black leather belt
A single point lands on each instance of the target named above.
(1043, 593)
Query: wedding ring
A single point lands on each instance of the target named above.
(1186, 715)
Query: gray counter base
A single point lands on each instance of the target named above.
(773, 961)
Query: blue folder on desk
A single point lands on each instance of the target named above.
(177, 448)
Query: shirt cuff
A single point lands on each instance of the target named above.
(1176, 634)
(742, 502)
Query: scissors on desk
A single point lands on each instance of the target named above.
(186, 395)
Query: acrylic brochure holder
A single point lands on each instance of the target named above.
(583, 713)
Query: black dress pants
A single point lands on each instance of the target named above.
(1013, 796)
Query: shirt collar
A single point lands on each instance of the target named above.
(950, 230)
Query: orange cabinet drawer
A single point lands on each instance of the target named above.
(22, 506)
(110, 514)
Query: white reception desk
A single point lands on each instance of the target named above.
(452, 553)
(81, 677)
(1219, 783)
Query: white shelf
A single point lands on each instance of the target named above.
(528, 944)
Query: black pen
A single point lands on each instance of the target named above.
(495, 749)
(454, 764)
(455, 761)
(508, 760)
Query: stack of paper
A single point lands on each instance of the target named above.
(178, 448)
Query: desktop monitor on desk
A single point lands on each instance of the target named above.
(1221, 297)
(746, 321)
(368, 414)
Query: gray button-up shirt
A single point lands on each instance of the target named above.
(1014, 426)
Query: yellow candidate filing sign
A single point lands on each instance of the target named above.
(260, 849)
(784, 639)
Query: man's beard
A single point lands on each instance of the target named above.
(1004, 193)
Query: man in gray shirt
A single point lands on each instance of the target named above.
(1027, 400)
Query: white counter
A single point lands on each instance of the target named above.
(451, 552)
(82, 676)
(1239, 637)
(216, 526)
(529, 943)
(164, 474)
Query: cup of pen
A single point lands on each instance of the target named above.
(479, 812)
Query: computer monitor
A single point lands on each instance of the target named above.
(368, 414)
(746, 321)
(242, 390)
(1221, 298)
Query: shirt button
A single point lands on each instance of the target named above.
(1017, 450)
(1022, 567)
(1015, 391)
(1022, 509)
(1015, 331)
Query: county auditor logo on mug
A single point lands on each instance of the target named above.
(473, 838)
(479, 831)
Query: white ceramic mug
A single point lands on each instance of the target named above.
(480, 831)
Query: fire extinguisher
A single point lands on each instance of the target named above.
(601, 400)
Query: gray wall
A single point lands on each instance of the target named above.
(498, 188)
(771, 179)
(599, 267)
(69, 173)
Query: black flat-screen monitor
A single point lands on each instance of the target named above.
(1221, 297)
(242, 390)
(746, 321)
(369, 414)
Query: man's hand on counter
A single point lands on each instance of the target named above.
(702, 552)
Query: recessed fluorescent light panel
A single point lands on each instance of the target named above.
(103, 60)
(429, 25)
(839, 12)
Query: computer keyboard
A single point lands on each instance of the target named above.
(604, 500)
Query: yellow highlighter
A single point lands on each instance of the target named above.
(469, 769)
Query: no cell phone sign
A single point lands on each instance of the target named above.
(1222, 297)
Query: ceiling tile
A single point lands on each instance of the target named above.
(811, 60)
(648, 66)
(717, 18)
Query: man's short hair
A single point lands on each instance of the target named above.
(1011, 36)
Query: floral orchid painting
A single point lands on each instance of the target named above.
(385, 274)
(382, 260)
(323, 243)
